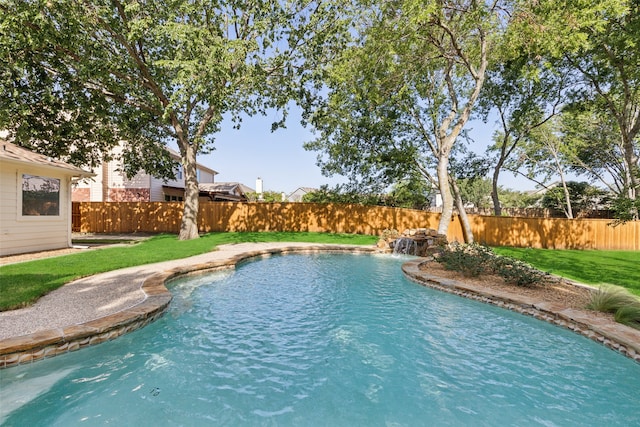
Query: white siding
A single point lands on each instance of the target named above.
(171, 183)
(20, 234)
(155, 191)
(205, 177)
(115, 179)
(96, 186)
(93, 184)
(140, 180)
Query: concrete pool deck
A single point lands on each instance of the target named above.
(100, 308)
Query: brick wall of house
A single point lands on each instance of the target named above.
(129, 194)
(81, 195)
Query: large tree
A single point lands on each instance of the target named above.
(597, 150)
(524, 94)
(81, 76)
(600, 41)
(399, 98)
(543, 155)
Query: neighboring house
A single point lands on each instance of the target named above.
(112, 185)
(435, 199)
(225, 191)
(297, 195)
(35, 190)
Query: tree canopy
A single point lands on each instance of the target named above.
(599, 43)
(398, 98)
(389, 87)
(82, 76)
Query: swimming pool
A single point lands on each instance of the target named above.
(328, 340)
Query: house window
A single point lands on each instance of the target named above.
(179, 172)
(40, 196)
(167, 198)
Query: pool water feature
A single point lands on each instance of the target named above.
(335, 340)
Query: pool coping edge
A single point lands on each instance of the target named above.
(616, 336)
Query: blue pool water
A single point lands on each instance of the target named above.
(328, 340)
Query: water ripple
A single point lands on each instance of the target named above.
(336, 341)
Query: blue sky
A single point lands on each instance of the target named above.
(277, 157)
(283, 164)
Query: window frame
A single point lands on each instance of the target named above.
(20, 199)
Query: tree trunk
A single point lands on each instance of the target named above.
(567, 200)
(445, 193)
(633, 168)
(467, 232)
(497, 208)
(568, 211)
(189, 224)
(567, 197)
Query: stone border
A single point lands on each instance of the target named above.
(618, 337)
(49, 343)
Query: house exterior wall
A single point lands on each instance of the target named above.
(81, 194)
(21, 234)
(129, 195)
(205, 177)
(157, 193)
(111, 185)
(297, 195)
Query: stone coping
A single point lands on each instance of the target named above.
(44, 344)
(618, 337)
(48, 343)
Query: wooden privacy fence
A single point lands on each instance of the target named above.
(165, 217)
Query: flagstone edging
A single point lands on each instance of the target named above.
(618, 337)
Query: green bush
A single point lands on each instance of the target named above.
(470, 260)
(473, 260)
(609, 299)
(518, 273)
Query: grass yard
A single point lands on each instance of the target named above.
(621, 268)
(23, 283)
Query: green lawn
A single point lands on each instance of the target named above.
(620, 268)
(23, 283)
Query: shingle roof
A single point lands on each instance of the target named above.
(16, 154)
(224, 187)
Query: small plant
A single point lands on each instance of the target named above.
(624, 305)
(389, 234)
(609, 299)
(470, 260)
(473, 260)
(629, 315)
(518, 273)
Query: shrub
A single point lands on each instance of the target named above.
(473, 260)
(609, 299)
(619, 301)
(388, 234)
(629, 315)
(470, 260)
(519, 273)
